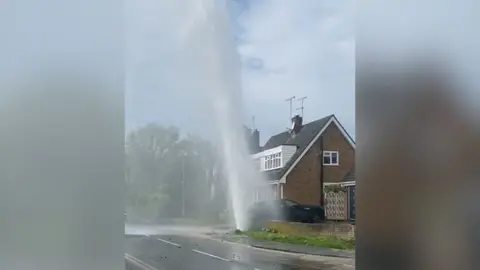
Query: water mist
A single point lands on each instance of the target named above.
(208, 27)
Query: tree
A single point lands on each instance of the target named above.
(166, 172)
(147, 152)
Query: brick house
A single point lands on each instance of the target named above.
(299, 163)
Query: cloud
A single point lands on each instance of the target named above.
(306, 48)
(301, 47)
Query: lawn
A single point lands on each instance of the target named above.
(312, 241)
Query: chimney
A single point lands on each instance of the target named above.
(248, 134)
(252, 138)
(296, 124)
(256, 140)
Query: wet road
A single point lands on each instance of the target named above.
(177, 252)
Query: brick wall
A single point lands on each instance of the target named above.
(334, 141)
(339, 229)
(303, 185)
(303, 182)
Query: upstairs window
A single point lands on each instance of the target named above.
(330, 158)
(277, 160)
(273, 161)
(268, 162)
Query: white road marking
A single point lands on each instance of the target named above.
(168, 242)
(210, 255)
(146, 266)
(139, 263)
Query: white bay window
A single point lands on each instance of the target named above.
(273, 161)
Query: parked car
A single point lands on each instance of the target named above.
(285, 210)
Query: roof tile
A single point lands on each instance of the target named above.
(301, 140)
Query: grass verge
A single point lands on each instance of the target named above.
(311, 241)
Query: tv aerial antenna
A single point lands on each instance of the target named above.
(301, 107)
(290, 100)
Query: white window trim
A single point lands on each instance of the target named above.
(330, 154)
(268, 152)
(265, 162)
(273, 157)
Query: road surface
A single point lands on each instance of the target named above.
(187, 252)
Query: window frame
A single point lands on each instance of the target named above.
(277, 160)
(329, 155)
(273, 161)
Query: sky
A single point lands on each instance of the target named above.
(286, 48)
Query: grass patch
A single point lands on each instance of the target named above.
(311, 241)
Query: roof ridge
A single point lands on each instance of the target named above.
(323, 118)
(314, 121)
(274, 140)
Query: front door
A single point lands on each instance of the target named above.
(351, 203)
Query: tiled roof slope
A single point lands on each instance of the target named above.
(301, 140)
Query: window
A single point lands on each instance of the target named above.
(330, 158)
(273, 161)
(268, 162)
(277, 160)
